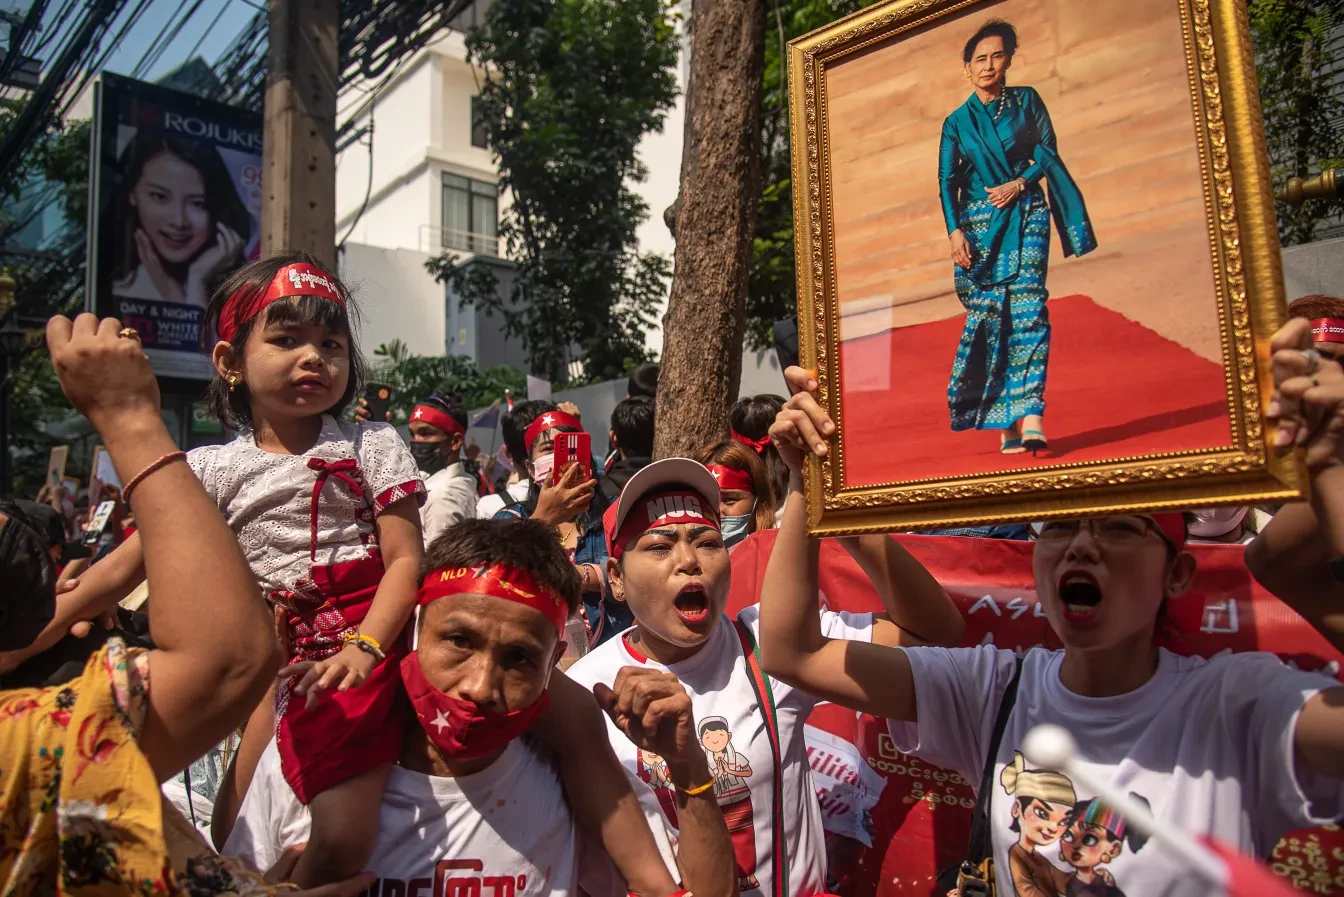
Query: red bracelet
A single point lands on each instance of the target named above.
(155, 465)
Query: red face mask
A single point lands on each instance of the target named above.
(462, 730)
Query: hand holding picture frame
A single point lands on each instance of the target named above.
(1038, 261)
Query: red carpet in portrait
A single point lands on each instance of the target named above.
(1158, 396)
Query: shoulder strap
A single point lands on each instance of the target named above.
(765, 699)
(981, 844)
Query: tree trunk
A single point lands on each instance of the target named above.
(715, 220)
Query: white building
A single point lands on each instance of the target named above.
(420, 180)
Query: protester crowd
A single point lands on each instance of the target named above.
(371, 664)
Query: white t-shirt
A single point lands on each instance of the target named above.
(506, 831)
(451, 499)
(266, 498)
(721, 693)
(1207, 743)
(490, 505)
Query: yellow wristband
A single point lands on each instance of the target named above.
(366, 643)
(701, 789)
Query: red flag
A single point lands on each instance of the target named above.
(1245, 876)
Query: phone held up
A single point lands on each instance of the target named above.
(378, 396)
(573, 448)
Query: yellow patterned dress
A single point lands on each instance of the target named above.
(80, 808)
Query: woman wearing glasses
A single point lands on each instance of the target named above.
(1240, 747)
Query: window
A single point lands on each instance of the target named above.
(470, 215)
(477, 129)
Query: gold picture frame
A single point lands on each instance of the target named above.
(1247, 286)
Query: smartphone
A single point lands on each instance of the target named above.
(573, 448)
(378, 396)
(98, 525)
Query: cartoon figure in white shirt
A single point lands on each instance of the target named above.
(652, 769)
(1043, 802)
(1095, 835)
(731, 770)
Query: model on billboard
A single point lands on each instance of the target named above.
(183, 225)
(996, 148)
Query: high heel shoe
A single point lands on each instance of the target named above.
(1034, 441)
(1010, 445)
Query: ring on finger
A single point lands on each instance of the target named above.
(1313, 360)
(129, 333)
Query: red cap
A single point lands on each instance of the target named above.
(679, 477)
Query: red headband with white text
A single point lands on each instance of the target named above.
(663, 509)
(731, 478)
(549, 421)
(497, 581)
(437, 417)
(292, 280)
(1327, 330)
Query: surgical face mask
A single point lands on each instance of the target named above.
(542, 467)
(1213, 523)
(29, 601)
(734, 529)
(429, 456)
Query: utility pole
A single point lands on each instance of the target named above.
(298, 209)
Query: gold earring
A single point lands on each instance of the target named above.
(233, 382)
(966, 75)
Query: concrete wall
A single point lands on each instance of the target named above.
(397, 298)
(1314, 268)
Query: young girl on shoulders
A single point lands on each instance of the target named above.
(326, 513)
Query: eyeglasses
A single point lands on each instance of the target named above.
(1114, 531)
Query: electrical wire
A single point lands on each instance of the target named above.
(219, 15)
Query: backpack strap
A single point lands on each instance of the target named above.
(765, 699)
(981, 844)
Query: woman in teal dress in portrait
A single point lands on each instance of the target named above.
(997, 150)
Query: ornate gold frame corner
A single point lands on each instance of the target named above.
(1239, 208)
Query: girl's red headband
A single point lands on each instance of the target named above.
(300, 279)
(756, 445)
(1327, 330)
(732, 478)
(437, 417)
(548, 421)
(497, 581)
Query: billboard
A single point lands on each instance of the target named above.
(175, 207)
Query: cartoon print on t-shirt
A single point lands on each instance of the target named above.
(731, 770)
(1094, 835)
(1043, 802)
(652, 769)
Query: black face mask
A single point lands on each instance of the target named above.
(429, 456)
(28, 602)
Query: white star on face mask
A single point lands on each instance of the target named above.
(440, 722)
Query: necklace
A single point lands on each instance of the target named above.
(1003, 102)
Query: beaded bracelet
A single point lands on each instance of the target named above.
(366, 643)
(153, 466)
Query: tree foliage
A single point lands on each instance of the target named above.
(571, 88)
(1301, 100)
(417, 377)
(49, 281)
(771, 294)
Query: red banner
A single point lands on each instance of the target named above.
(921, 820)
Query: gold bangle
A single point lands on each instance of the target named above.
(701, 789)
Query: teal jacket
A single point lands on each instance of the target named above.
(977, 152)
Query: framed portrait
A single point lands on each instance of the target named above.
(1038, 263)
